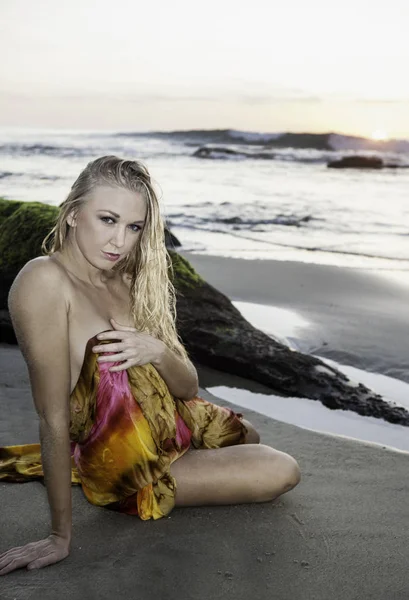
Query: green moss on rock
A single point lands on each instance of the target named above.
(8, 207)
(185, 277)
(22, 232)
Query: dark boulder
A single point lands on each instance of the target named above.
(217, 335)
(218, 152)
(357, 162)
(171, 241)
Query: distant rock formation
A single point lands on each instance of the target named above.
(357, 162)
(226, 152)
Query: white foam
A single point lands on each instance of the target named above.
(280, 323)
(311, 414)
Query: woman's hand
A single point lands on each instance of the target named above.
(35, 555)
(134, 348)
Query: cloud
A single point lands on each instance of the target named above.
(382, 100)
(250, 99)
(278, 99)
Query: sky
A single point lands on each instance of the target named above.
(259, 65)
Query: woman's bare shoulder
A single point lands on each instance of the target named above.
(38, 276)
(45, 267)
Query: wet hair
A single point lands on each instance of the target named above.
(152, 294)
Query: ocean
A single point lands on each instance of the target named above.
(241, 194)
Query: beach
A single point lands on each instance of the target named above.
(340, 534)
(356, 316)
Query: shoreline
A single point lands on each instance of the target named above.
(356, 317)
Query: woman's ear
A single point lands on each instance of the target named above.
(71, 219)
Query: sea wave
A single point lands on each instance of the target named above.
(238, 222)
(306, 156)
(318, 141)
(288, 220)
(319, 248)
(22, 149)
(219, 144)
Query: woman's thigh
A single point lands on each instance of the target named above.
(233, 475)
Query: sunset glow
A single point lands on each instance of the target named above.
(379, 134)
(167, 66)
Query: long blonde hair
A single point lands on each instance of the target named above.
(152, 294)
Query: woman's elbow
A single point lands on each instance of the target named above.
(190, 392)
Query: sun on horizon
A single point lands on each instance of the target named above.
(379, 135)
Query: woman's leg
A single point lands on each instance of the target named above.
(238, 474)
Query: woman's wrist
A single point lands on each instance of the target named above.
(62, 532)
(161, 354)
(63, 542)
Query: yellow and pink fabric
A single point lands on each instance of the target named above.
(126, 430)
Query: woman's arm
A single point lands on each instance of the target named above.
(39, 312)
(180, 377)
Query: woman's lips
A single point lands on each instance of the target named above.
(110, 256)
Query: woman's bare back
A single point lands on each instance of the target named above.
(89, 311)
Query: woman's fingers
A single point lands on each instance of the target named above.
(44, 561)
(109, 348)
(34, 555)
(16, 561)
(9, 553)
(112, 357)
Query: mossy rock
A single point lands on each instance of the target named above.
(24, 225)
(185, 277)
(8, 207)
(22, 232)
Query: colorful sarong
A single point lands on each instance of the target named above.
(126, 430)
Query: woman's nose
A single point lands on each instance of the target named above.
(119, 237)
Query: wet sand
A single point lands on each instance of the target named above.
(357, 317)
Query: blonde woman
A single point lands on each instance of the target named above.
(114, 389)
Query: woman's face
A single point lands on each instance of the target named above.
(109, 224)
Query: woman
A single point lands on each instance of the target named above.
(119, 412)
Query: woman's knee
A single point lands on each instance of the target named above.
(293, 472)
(283, 470)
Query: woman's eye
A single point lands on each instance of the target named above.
(110, 220)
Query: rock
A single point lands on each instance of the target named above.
(7, 208)
(218, 152)
(7, 335)
(210, 151)
(217, 335)
(357, 162)
(171, 241)
(213, 330)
